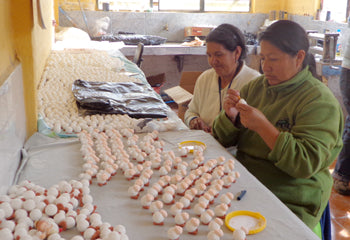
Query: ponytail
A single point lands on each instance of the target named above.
(310, 61)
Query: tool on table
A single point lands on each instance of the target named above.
(241, 195)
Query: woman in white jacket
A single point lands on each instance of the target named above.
(226, 51)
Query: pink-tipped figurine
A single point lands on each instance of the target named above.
(192, 225)
(181, 218)
(215, 234)
(159, 216)
(174, 232)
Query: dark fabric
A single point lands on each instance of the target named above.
(342, 167)
(132, 39)
(137, 100)
(326, 225)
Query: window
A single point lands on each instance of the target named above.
(205, 5)
(178, 5)
(338, 12)
(227, 5)
(126, 5)
(185, 5)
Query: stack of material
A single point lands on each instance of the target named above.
(57, 108)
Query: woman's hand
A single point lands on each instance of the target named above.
(251, 117)
(231, 99)
(256, 121)
(198, 123)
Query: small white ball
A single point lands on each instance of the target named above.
(29, 194)
(51, 198)
(120, 228)
(70, 222)
(89, 233)
(6, 207)
(54, 236)
(59, 217)
(26, 221)
(16, 203)
(6, 233)
(123, 236)
(41, 206)
(77, 238)
(29, 205)
(9, 225)
(20, 232)
(113, 236)
(82, 225)
(35, 214)
(20, 213)
(2, 214)
(51, 209)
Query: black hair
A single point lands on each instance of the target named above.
(230, 37)
(290, 37)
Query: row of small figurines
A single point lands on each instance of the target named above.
(213, 167)
(31, 212)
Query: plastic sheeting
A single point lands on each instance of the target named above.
(137, 100)
(12, 127)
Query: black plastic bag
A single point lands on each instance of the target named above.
(132, 39)
(138, 100)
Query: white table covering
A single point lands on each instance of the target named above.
(51, 160)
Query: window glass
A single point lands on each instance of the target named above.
(185, 5)
(131, 5)
(227, 5)
(337, 11)
(177, 5)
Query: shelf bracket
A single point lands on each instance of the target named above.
(179, 59)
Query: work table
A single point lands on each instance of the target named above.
(170, 48)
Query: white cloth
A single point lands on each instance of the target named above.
(346, 60)
(206, 98)
(49, 161)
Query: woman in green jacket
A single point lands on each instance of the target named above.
(288, 130)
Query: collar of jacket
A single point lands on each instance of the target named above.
(292, 84)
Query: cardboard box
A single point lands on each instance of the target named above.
(197, 31)
(182, 94)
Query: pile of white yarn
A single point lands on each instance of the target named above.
(56, 103)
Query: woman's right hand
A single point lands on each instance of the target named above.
(230, 102)
(199, 124)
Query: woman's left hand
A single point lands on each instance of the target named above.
(251, 117)
(255, 120)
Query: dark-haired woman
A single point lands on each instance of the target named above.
(289, 129)
(226, 51)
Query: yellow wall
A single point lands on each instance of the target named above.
(7, 48)
(266, 6)
(300, 7)
(31, 45)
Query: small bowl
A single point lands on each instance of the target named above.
(190, 145)
(258, 227)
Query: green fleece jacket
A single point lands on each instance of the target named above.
(310, 122)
